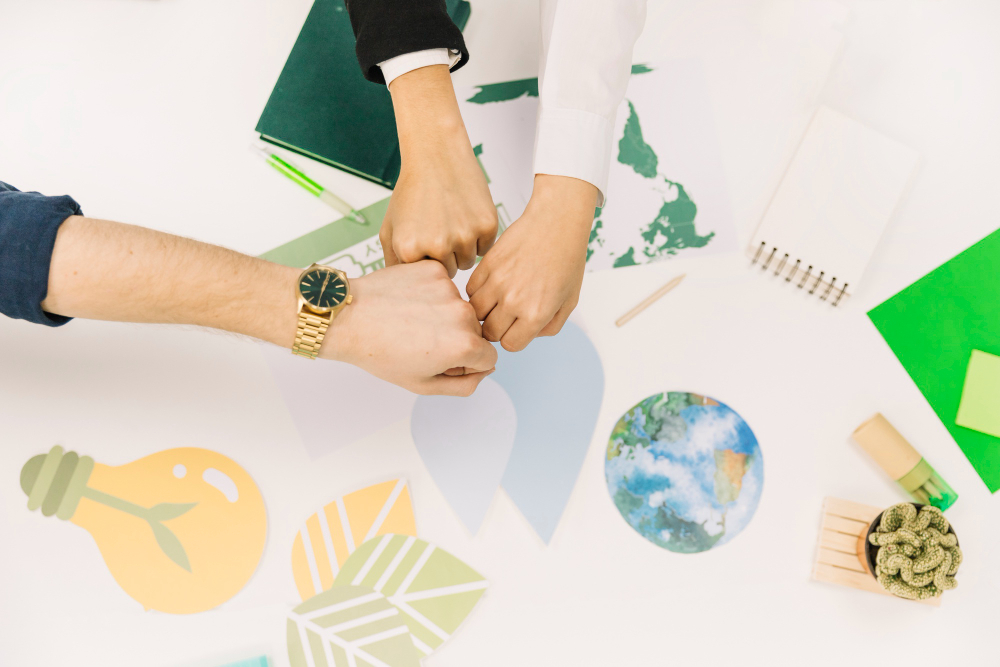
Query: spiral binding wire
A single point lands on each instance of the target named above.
(795, 269)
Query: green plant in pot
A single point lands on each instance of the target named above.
(913, 551)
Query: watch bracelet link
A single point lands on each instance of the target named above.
(310, 334)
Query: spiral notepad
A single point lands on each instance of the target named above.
(826, 217)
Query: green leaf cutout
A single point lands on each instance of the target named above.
(171, 546)
(433, 590)
(168, 511)
(349, 626)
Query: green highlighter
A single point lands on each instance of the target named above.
(903, 463)
(295, 174)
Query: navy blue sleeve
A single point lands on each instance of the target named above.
(28, 226)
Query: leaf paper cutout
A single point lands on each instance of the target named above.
(168, 511)
(171, 546)
(349, 626)
(329, 537)
(433, 590)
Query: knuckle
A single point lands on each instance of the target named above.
(437, 248)
(466, 235)
(407, 249)
(487, 222)
(436, 270)
(534, 314)
(463, 311)
(479, 311)
(465, 346)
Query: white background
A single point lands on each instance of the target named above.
(143, 109)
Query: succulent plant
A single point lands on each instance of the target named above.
(917, 557)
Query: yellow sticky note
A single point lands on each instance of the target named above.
(980, 406)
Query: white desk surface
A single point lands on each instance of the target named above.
(143, 110)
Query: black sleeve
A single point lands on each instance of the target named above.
(388, 28)
(28, 226)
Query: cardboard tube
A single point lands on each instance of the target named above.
(889, 449)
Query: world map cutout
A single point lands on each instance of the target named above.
(673, 227)
(685, 471)
(659, 164)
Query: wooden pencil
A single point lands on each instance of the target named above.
(649, 300)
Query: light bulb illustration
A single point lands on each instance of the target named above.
(181, 530)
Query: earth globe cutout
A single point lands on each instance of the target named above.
(685, 471)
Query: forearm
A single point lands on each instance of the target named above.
(441, 207)
(428, 120)
(585, 67)
(574, 198)
(111, 271)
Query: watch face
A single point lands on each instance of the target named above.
(322, 289)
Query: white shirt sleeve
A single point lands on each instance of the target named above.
(400, 65)
(586, 62)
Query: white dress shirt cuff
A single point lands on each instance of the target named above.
(400, 65)
(575, 143)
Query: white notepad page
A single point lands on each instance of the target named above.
(832, 205)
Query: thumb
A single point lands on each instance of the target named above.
(479, 357)
(457, 385)
(478, 278)
(385, 237)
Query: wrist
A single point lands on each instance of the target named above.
(340, 343)
(426, 111)
(565, 198)
(267, 311)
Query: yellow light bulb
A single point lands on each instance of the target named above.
(182, 530)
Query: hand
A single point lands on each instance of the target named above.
(409, 325)
(529, 283)
(441, 207)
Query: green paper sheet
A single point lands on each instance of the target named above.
(934, 325)
(342, 243)
(980, 407)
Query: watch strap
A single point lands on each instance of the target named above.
(310, 333)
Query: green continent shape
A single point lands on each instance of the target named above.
(661, 418)
(673, 227)
(627, 502)
(625, 259)
(686, 537)
(633, 149)
(511, 90)
(623, 436)
(675, 402)
(595, 237)
(506, 91)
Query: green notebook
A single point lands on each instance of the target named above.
(934, 325)
(324, 108)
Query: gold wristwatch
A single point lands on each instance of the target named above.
(323, 293)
